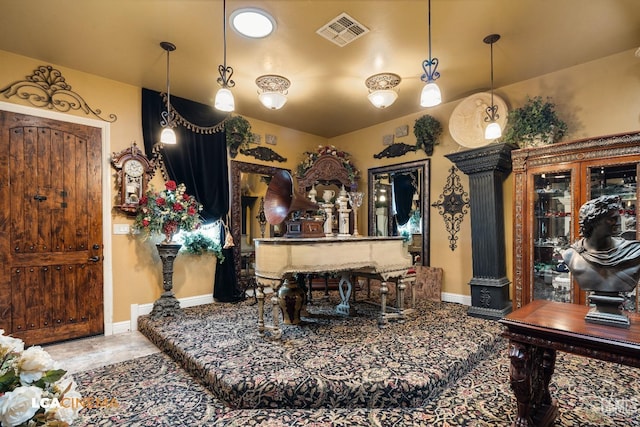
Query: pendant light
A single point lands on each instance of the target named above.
(224, 98)
(168, 136)
(431, 95)
(493, 130)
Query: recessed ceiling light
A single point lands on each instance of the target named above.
(253, 22)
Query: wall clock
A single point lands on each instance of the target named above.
(133, 173)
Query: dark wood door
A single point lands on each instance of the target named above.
(51, 260)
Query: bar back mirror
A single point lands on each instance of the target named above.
(399, 205)
(249, 184)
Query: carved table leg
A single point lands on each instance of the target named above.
(384, 290)
(345, 288)
(520, 373)
(530, 372)
(277, 333)
(260, 298)
(400, 299)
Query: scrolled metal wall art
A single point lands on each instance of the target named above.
(46, 88)
(453, 205)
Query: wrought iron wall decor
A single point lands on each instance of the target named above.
(395, 150)
(263, 153)
(46, 88)
(453, 205)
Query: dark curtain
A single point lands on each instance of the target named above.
(200, 162)
(404, 187)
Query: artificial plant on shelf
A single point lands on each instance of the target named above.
(237, 133)
(535, 123)
(199, 244)
(167, 212)
(427, 129)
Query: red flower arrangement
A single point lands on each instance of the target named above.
(167, 212)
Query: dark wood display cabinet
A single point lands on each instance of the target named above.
(550, 184)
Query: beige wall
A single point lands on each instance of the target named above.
(595, 99)
(137, 270)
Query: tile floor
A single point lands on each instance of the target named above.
(94, 352)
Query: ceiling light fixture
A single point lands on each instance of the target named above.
(252, 22)
(493, 130)
(273, 91)
(381, 89)
(224, 98)
(168, 136)
(431, 95)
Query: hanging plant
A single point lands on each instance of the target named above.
(238, 133)
(427, 129)
(535, 123)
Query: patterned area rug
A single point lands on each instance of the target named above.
(329, 361)
(155, 391)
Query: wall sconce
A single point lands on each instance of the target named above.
(168, 136)
(224, 98)
(430, 96)
(493, 130)
(381, 89)
(273, 91)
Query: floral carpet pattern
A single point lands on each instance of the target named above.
(329, 361)
(156, 391)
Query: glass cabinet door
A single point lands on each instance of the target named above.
(619, 180)
(551, 236)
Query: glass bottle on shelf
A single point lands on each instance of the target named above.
(621, 181)
(552, 235)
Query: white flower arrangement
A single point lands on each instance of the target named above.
(33, 390)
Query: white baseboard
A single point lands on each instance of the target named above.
(457, 298)
(142, 309)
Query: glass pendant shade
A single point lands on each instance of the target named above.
(224, 100)
(383, 98)
(272, 100)
(168, 136)
(492, 131)
(431, 95)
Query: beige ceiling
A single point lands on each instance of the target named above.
(119, 39)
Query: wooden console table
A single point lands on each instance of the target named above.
(540, 328)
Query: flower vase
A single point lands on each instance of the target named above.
(167, 304)
(290, 300)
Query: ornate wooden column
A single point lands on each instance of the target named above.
(487, 167)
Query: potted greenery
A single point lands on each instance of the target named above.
(199, 244)
(535, 123)
(237, 132)
(427, 129)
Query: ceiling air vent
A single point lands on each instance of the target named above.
(342, 30)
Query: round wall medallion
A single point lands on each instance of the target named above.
(467, 122)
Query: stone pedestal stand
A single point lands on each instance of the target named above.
(343, 219)
(328, 223)
(167, 304)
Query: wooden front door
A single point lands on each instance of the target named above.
(51, 261)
